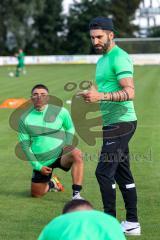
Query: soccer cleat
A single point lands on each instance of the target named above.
(77, 196)
(131, 228)
(58, 187)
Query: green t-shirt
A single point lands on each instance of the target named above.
(20, 58)
(83, 225)
(43, 134)
(111, 68)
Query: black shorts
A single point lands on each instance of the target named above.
(37, 177)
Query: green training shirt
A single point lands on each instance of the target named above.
(83, 225)
(43, 134)
(111, 68)
(20, 58)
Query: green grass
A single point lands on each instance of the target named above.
(22, 217)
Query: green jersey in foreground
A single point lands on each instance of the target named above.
(83, 225)
(43, 134)
(111, 68)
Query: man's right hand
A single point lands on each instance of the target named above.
(46, 170)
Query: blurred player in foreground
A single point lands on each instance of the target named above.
(81, 222)
(46, 133)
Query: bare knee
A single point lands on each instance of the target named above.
(38, 189)
(77, 156)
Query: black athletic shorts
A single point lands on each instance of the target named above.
(37, 177)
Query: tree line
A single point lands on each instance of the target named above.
(40, 26)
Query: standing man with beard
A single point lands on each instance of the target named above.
(114, 79)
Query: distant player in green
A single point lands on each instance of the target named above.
(46, 132)
(81, 222)
(114, 80)
(21, 64)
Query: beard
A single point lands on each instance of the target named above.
(102, 49)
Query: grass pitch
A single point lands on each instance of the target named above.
(22, 217)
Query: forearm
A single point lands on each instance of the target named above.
(25, 142)
(70, 136)
(30, 155)
(69, 128)
(118, 96)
